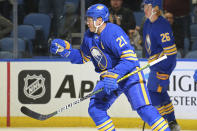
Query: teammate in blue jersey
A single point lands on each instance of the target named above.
(108, 47)
(195, 76)
(158, 41)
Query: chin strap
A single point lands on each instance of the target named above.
(97, 26)
(152, 13)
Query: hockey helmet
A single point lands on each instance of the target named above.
(98, 10)
(148, 2)
(157, 3)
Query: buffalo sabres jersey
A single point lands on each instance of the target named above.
(158, 41)
(109, 50)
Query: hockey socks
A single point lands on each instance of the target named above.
(151, 116)
(106, 126)
(167, 111)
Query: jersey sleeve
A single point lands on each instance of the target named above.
(80, 56)
(121, 48)
(165, 38)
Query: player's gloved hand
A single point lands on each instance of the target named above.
(110, 84)
(110, 81)
(61, 47)
(195, 76)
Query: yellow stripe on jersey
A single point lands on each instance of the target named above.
(127, 51)
(169, 47)
(172, 53)
(171, 50)
(155, 57)
(129, 55)
(161, 54)
(143, 88)
(135, 59)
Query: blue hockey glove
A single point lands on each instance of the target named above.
(195, 76)
(61, 47)
(110, 81)
(110, 84)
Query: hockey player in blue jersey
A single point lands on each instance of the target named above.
(108, 47)
(195, 76)
(158, 41)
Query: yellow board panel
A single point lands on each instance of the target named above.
(85, 122)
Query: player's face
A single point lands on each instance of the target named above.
(147, 10)
(90, 23)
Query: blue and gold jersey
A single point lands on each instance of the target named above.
(113, 56)
(158, 41)
(109, 50)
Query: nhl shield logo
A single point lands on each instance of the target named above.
(34, 86)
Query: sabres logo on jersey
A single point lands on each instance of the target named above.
(99, 57)
(100, 7)
(148, 44)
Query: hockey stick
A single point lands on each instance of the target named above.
(143, 126)
(42, 117)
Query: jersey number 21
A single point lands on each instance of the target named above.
(121, 41)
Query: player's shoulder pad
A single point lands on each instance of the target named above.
(113, 29)
(162, 25)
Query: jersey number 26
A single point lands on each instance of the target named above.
(165, 37)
